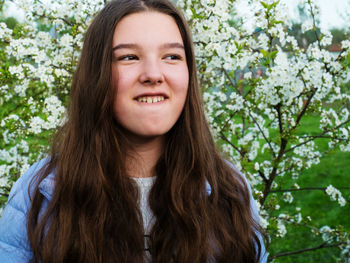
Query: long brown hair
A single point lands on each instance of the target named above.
(93, 214)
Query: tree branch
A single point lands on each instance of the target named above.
(223, 137)
(277, 159)
(254, 120)
(273, 174)
(19, 105)
(314, 25)
(230, 80)
(262, 175)
(280, 122)
(311, 138)
(289, 253)
(53, 18)
(263, 134)
(5, 195)
(303, 111)
(306, 189)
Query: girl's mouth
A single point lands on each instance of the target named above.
(150, 99)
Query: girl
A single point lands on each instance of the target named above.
(133, 175)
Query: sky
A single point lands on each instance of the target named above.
(333, 13)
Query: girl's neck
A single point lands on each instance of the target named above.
(145, 154)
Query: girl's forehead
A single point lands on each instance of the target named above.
(147, 26)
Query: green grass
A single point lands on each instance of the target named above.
(334, 169)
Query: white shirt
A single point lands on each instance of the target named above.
(145, 184)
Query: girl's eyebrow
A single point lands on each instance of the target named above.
(126, 45)
(136, 46)
(173, 45)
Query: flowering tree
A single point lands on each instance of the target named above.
(258, 85)
(38, 59)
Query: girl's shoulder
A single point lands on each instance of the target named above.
(14, 243)
(24, 187)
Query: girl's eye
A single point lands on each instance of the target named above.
(173, 57)
(128, 57)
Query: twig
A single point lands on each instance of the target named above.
(52, 18)
(222, 136)
(273, 174)
(280, 122)
(22, 103)
(314, 25)
(311, 138)
(230, 80)
(61, 67)
(263, 134)
(283, 254)
(262, 175)
(254, 120)
(306, 189)
(303, 111)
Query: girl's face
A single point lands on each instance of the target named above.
(150, 73)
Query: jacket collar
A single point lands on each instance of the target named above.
(46, 187)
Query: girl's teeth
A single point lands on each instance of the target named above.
(150, 99)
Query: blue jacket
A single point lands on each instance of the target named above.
(14, 243)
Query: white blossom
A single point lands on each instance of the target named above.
(5, 33)
(335, 195)
(307, 25)
(281, 229)
(287, 197)
(326, 232)
(36, 124)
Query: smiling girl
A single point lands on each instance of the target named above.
(134, 175)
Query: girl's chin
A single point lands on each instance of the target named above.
(143, 136)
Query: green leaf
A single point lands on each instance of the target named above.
(265, 53)
(273, 54)
(265, 5)
(275, 4)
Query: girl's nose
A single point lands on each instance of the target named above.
(152, 73)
